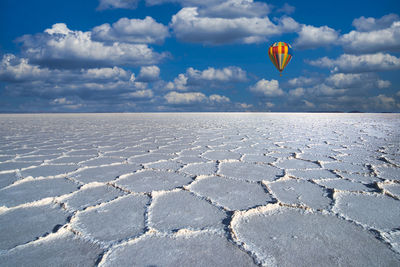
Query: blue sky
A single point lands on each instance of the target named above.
(198, 55)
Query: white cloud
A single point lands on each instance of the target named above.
(356, 80)
(131, 31)
(113, 4)
(189, 26)
(359, 63)
(303, 81)
(364, 24)
(147, 93)
(384, 102)
(228, 74)
(180, 83)
(384, 84)
(380, 40)
(222, 8)
(63, 48)
(114, 73)
(66, 103)
(313, 37)
(61, 101)
(184, 98)
(308, 104)
(325, 90)
(176, 98)
(269, 104)
(297, 92)
(16, 69)
(245, 105)
(267, 88)
(209, 77)
(148, 74)
(235, 9)
(219, 98)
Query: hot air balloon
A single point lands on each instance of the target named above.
(280, 54)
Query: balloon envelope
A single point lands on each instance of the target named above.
(280, 54)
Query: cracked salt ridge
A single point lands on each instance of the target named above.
(177, 209)
(185, 248)
(231, 194)
(152, 180)
(7, 179)
(388, 172)
(300, 192)
(62, 248)
(90, 195)
(375, 211)
(113, 221)
(281, 236)
(30, 190)
(391, 188)
(345, 185)
(27, 223)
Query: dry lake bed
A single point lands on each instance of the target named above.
(200, 189)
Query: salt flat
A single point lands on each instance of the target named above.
(200, 189)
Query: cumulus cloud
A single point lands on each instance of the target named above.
(297, 92)
(267, 88)
(179, 83)
(146, 93)
(218, 98)
(364, 24)
(63, 48)
(359, 63)
(222, 8)
(235, 9)
(354, 80)
(189, 26)
(131, 31)
(313, 37)
(23, 78)
(385, 102)
(303, 81)
(113, 4)
(176, 98)
(148, 74)
(209, 77)
(228, 74)
(184, 98)
(14, 69)
(387, 39)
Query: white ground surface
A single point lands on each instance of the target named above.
(200, 190)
